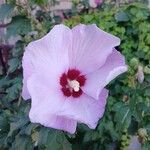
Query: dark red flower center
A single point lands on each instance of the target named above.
(71, 83)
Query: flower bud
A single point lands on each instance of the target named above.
(140, 74)
(95, 3)
(143, 136)
(142, 132)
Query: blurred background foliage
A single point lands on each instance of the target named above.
(128, 109)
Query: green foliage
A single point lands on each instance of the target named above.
(52, 139)
(19, 25)
(121, 17)
(128, 106)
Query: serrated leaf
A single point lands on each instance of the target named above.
(18, 49)
(43, 134)
(147, 92)
(3, 137)
(121, 17)
(117, 106)
(91, 136)
(28, 129)
(22, 143)
(146, 146)
(6, 11)
(14, 64)
(13, 91)
(123, 117)
(58, 141)
(53, 139)
(88, 18)
(19, 25)
(4, 129)
(109, 127)
(4, 125)
(4, 82)
(18, 123)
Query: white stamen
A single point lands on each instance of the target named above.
(75, 85)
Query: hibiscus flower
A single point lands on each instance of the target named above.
(65, 73)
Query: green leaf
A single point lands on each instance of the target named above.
(18, 49)
(147, 92)
(4, 82)
(14, 64)
(121, 17)
(91, 136)
(117, 106)
(14, 91)
(146, 146)
(18, 123)
(40, 2)
(109, 127)
(88, 18)
(123, 117)
(53, 139)
(22, 142)
(4, 129)
(4, 125)
(28, 129)
(19, 25)
(6, 11)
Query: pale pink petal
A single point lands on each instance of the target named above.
(91, 47)
(85, 109)
(27, 71)
(54, 121)
(46, 94)
(47, 100)
(49, 55)
(96, 81)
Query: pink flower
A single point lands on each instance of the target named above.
(65, 73)
(95, 3)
